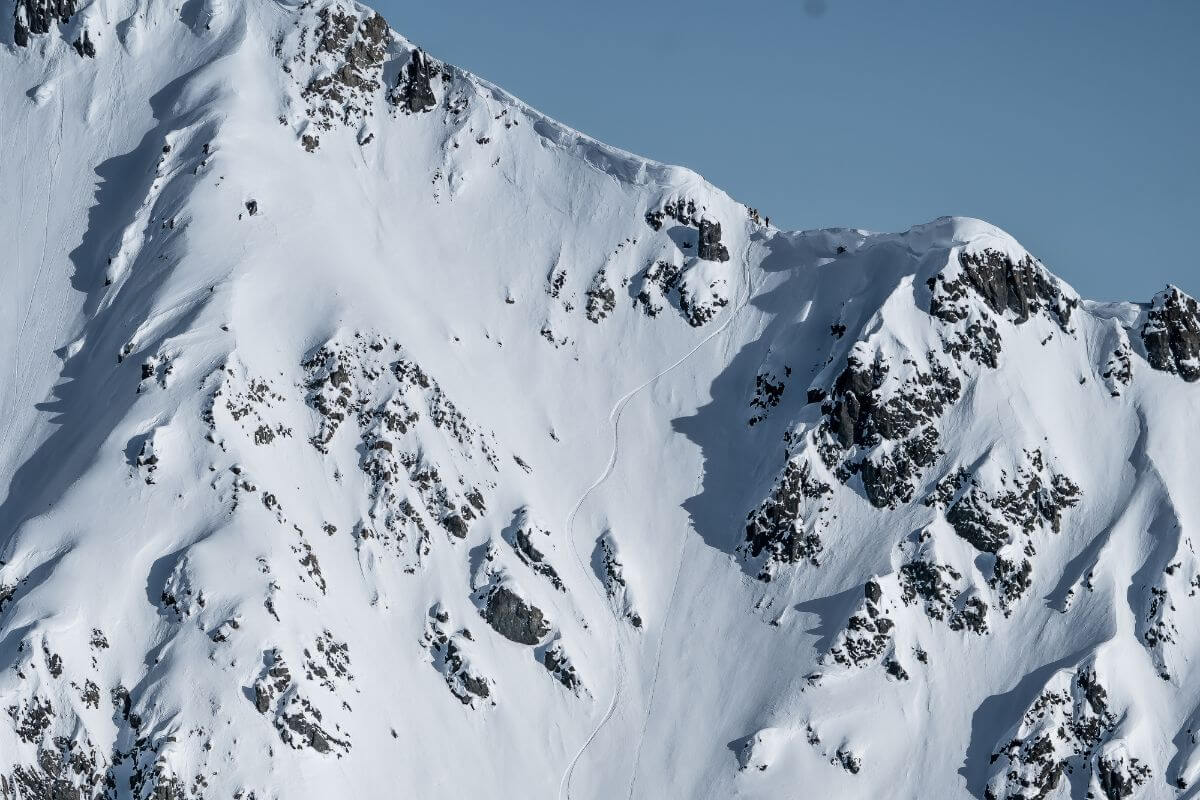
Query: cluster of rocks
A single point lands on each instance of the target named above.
(35, 17)
(299, 723)
(785, 525)
(244, 402)
(7, 592)
(329, 664)
(558, 664)
(1118, 370)
(697, 303)
(502, 605)
(1157, 617)
(337, 63)
(612, 575)
(447, 652)
(868, 632)
(555, 281)
(157, 368)
(1016, 290)
(885, 434)
(601, 300)
(768, 392)
(936, 587)
(1023, 287)
(147, 460)
(1068, 727)
(658, 280)
(999, 516)
(520, 536)
(84, 46)
(686, 212)
(662, 280)
(403, 420)
(179, 599)
(68, 764)
(848, 760)
(700, 303)
(683, 211)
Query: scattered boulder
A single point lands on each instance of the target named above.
(513, 618)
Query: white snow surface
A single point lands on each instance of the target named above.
(286, 420)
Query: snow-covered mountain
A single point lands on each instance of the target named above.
(369, 434)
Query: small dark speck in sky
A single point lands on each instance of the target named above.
(815, 8)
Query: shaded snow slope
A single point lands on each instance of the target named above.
(369, 433)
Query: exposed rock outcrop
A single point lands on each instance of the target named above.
(1069, 727)
(35, 17)
(414, 87)
(1171, 334)
(513, 618)
(710, 247)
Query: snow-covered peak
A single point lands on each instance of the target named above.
(363, 422)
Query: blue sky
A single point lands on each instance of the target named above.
(1073, 125)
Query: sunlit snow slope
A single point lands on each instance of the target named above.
(368, 434)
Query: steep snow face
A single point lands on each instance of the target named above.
(369, 432)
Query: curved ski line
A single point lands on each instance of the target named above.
(614, 421)
(637, 761)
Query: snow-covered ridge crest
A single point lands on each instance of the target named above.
(364, 423)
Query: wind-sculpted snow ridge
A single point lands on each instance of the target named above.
(370, 433)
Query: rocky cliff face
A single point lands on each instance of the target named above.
(370, 432)
(1171, 334)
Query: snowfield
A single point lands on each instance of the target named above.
(369, 434)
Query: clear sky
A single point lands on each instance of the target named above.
(1073, 124)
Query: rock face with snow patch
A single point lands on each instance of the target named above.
(1171, 334)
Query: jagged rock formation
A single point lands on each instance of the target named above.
(1171, 334)
(35, 17)
(414, 91)
(709, 247)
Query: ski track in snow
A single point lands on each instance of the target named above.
(614, 421)
(37, 280)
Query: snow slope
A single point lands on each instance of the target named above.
(370, 434)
